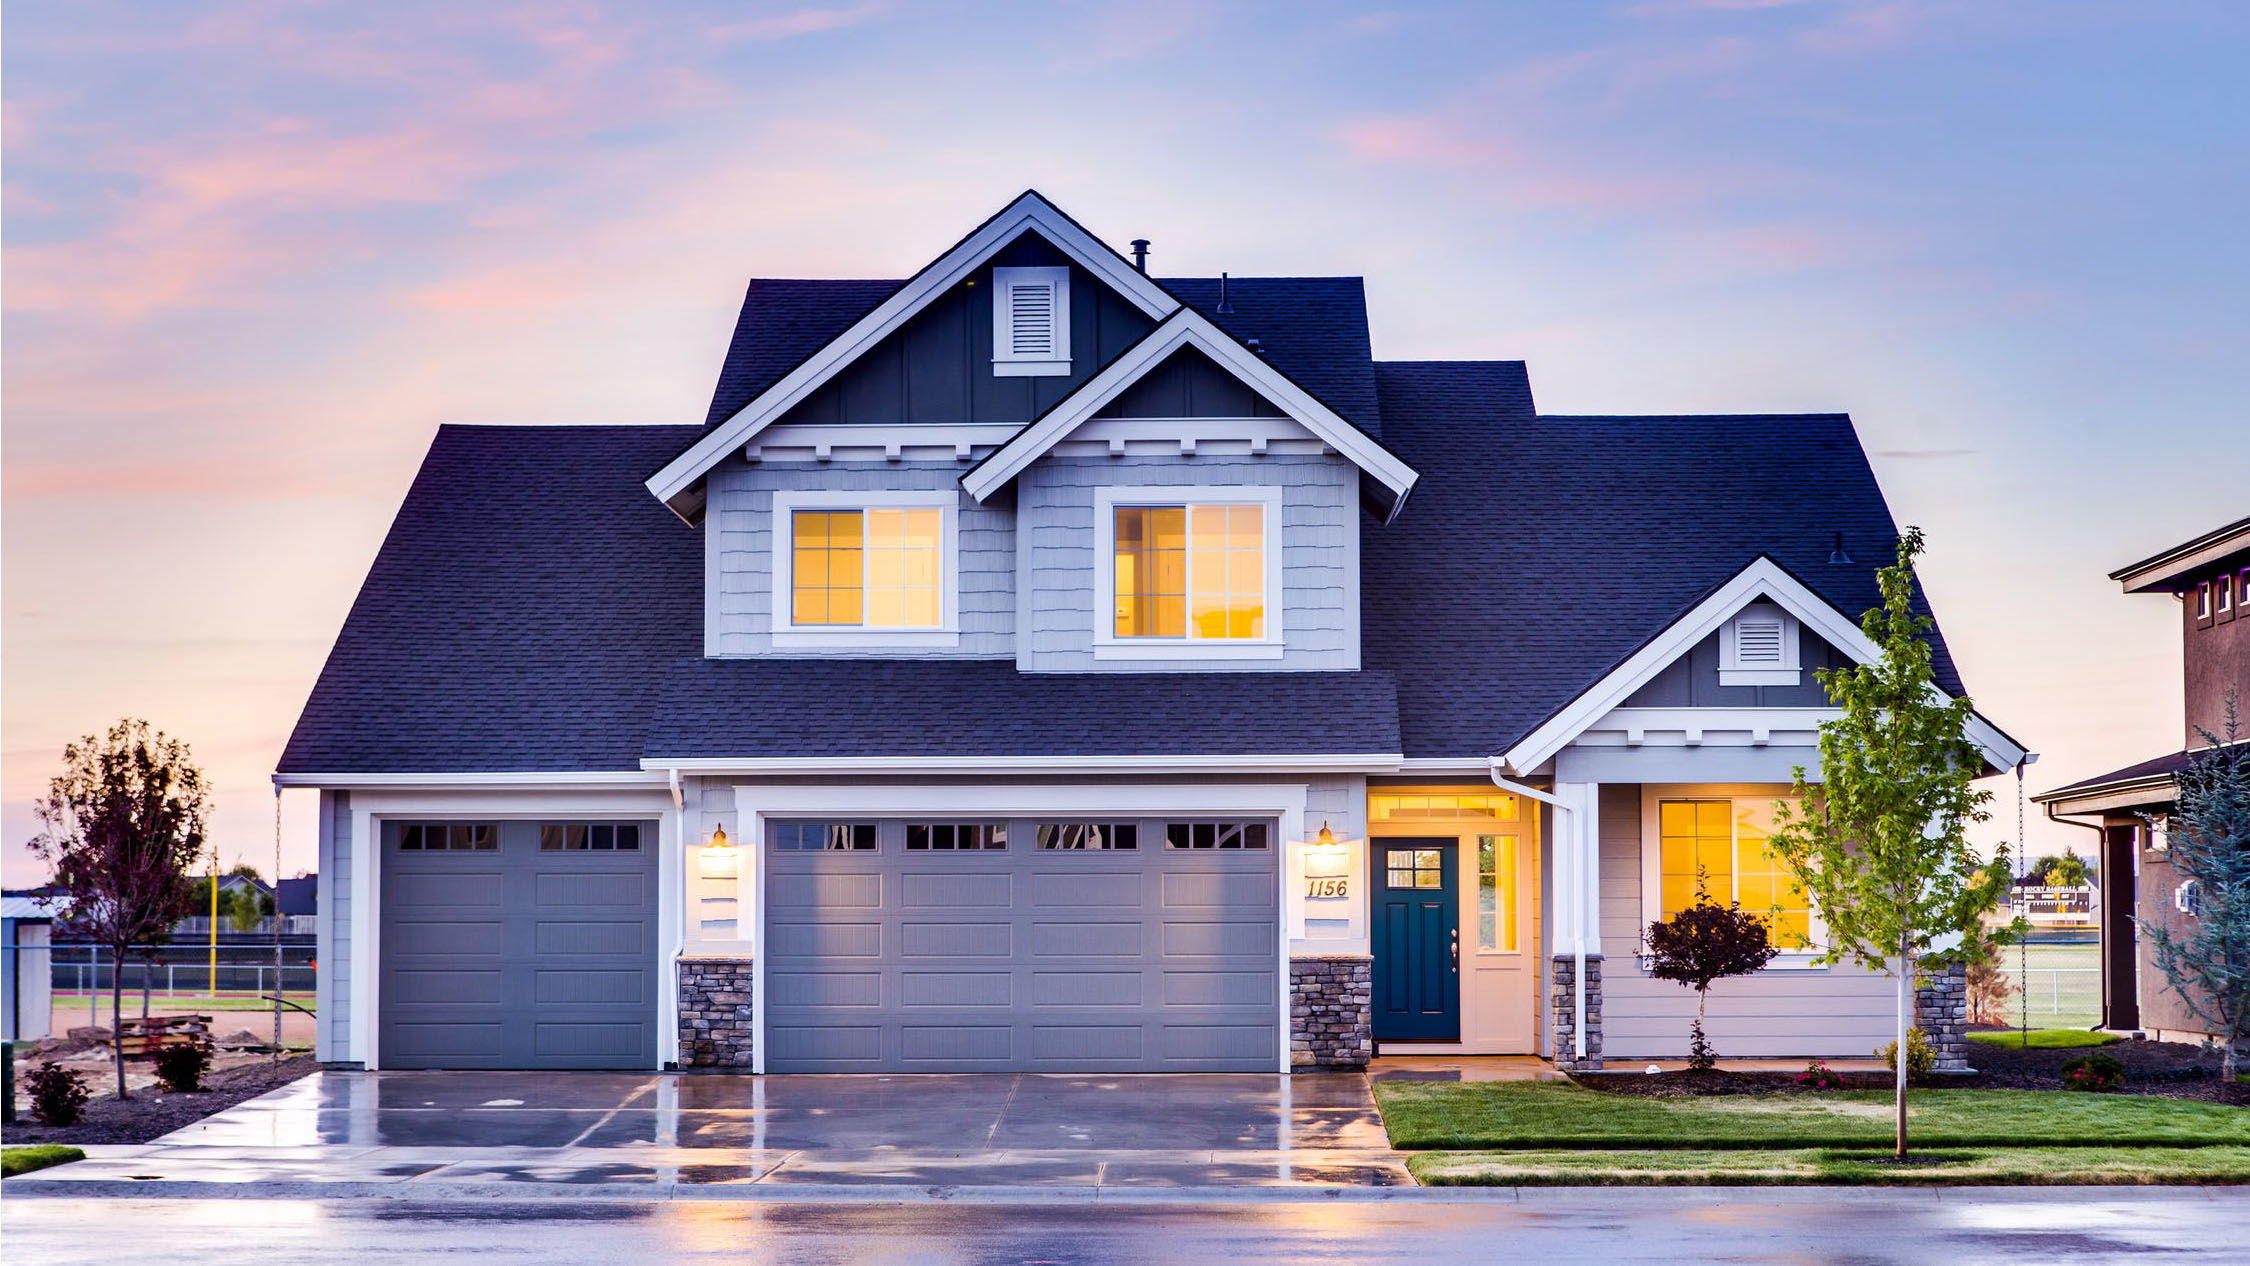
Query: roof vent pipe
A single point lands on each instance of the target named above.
(1140, 255)
(1224, 306)
(1837, 554)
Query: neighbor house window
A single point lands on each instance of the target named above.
(874, 568)
(2203, 601)
(2224, 586)
(1190, 571)
(1496, 892)
(1720, 846)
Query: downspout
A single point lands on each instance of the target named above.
(1578, 901)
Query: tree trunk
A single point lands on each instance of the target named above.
(117, 1020)
(1905, 1002)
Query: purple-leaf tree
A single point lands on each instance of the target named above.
(122, 827)
(1704, 943)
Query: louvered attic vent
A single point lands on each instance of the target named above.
(1030, 321)
(1758, 647)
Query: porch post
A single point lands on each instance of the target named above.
(1578, 996)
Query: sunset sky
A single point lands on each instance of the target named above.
(256, 252)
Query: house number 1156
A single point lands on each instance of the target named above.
(1327, 886)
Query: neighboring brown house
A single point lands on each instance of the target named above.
(2210, 578)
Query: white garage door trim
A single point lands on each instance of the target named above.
(370, 810)
(1284, 802)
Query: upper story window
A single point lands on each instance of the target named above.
(2222, 596)
(863, 568)
(1758, 647)
(2203, 601)
(1192, 573)
(1030, 322)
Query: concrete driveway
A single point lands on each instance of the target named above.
(951, 1131)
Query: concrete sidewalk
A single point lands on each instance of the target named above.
(366, 1132)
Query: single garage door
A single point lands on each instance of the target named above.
(518, 945)
(947, 946)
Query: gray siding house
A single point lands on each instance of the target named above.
(1036, 664)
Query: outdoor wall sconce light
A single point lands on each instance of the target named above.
(718, 860)
(1327, 866)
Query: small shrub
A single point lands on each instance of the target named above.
(181, 1068)
(1819, 1076)
(2093, 1072)
(1921, 1060)
(58, 1094)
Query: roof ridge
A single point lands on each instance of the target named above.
(1692, 417)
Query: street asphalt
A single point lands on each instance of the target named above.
(1800, 1228)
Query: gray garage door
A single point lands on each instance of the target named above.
(1140, 946)
(518, 945)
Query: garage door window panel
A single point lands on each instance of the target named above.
(580, 837)
(1215, 835)
(815, 837)
(449, 837)
(956, 837)
(1088, 836)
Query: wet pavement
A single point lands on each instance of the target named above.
(1203, 1130)
(1864, 1227)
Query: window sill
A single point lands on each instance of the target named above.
(1030, 368)
(1760, 677)
(864, 639)
(1110, 648)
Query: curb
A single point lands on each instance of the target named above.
(30, 1187)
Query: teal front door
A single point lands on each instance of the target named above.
(1417, 936)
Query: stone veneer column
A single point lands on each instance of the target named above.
(1331, 1010)
(716, 1028)
(1566, 1002)
(1941, 1011)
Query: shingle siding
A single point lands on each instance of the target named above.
(1060, 605)
(740, 523)
(333, 986)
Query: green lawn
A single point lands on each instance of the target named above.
(1953, 1167)
(22, 1160)
(2046, 1039)
(1530, 1114)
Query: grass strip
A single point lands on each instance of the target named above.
(2045, 1039)
(1952, 1167)
(22, 1160)
(1528, 1114)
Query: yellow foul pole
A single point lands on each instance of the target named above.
(214, 918)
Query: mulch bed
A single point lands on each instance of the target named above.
(2171, 1070)
(151, 1113)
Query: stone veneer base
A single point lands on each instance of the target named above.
(716, 1026)
(1566, 1005)
(1331, 1010)
(1941, 1011)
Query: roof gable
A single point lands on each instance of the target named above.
(1763, 579)
(1185, 329)
(678, 483)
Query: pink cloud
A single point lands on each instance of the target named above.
(782, 26)
(1420, 141)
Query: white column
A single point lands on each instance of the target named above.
(1588, 820)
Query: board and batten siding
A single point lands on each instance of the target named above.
(1058, 589)
(1831, 1012)
(332, 983)
(738, 559)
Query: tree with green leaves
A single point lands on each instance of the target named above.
(1703, 944)
(2067, 871)
(2205, 955)
(122, 826)
(1880, 843)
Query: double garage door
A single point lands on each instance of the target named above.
(518, 945)
(972, 947)
(1149, 945)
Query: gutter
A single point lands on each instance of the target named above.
(1578, 896)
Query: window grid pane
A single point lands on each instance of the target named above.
(1194, 572)
(1496, 892)
(1397, 806)
(902, 565)
(1694, 835)
(826, 560)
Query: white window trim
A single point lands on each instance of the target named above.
(1107, 645)
(1732, 671)
(1652, 860)
(1006, 362)
(786, 633)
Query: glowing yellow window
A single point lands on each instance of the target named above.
(1196, 572)
(1722, 845)
(874, 568)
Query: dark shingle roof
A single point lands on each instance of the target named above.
(1313, 329)
(2166, 766)
(520, 615)
(866, 707)
(1535, 555)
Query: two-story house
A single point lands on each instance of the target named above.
(1037, 664)
(2209, 577)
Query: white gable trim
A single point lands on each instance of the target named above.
(1763, 578)
(1029, 212)
(1187, 328)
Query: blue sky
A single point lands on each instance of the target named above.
(255, 252)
